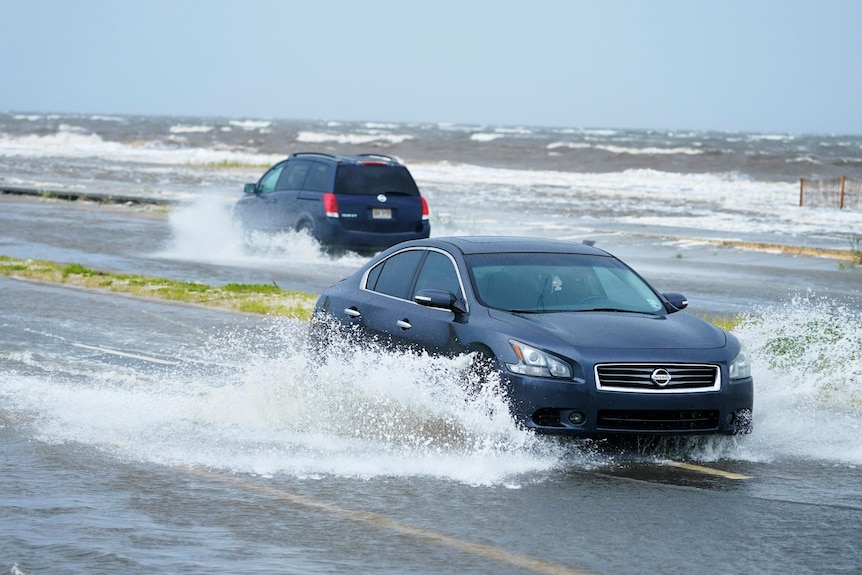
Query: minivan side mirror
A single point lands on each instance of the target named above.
(677, 300)
(249, 189)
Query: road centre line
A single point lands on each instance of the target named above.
(125, 354)
(706, 470)
(533, 564)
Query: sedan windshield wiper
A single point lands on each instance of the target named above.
(614, 309)
(525, 311)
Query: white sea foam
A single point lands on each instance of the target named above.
(721, 202)
(74, 142)
(652, 150)
(251, 125)
(771, 137)
(187, 129)
(353, 139)
(486, 137)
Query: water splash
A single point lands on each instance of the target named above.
(807, 357)
(265, 401)
(204, 231)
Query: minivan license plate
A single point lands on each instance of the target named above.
(381, 214)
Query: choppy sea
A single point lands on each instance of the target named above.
(734, 182)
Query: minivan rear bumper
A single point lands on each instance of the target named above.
(333, 235)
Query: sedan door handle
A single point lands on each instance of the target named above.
(403, 324)
(352, 312)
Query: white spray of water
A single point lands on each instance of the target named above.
(205, 231)
(274, 404)
(807, 356)
(281, 406)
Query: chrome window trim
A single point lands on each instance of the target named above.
(364, 282)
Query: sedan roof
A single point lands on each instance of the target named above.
(502, 244)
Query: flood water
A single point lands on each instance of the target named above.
(141, 436)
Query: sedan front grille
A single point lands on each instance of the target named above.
(651, 420)
(658, 378)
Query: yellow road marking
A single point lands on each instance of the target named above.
(500, 555)
(706, 470)
(125, 354)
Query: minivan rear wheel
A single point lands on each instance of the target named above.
(306, 227)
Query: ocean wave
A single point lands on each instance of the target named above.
(353, 139)
(251, 125)
(515, 130)
(803, 160)
(71, 142)
(380, 126)
(771, 137)
(186, 129)
(649, 151)
(486, 137)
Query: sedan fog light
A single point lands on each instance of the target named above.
(577, 418)
(743, 417)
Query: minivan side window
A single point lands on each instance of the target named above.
(267, 182)
(294, 175)
(394, 275)
(319, 178)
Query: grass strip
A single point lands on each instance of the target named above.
(265, 299)
(247, 298)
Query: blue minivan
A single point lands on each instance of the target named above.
(364, 203)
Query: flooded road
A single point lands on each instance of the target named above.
(141, 436)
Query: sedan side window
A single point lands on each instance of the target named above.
(394, 276)
(438, 272)
(267, 182)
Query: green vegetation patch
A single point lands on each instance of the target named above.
(267, 299)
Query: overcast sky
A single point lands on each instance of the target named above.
(736, 65)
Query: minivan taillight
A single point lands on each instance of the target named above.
(330, 205)
(425, 212)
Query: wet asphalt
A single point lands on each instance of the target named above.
(633, 514)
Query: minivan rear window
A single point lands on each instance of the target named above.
(374, 179)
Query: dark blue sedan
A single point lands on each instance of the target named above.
(582, 343)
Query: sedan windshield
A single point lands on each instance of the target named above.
(542, 282)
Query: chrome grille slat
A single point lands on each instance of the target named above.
(636, 377)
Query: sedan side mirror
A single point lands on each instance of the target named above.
(677, 300)
(249, 189)
(442, 299)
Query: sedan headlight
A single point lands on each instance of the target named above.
(532, 361)
(740, 367)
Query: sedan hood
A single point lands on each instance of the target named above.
(621, 330)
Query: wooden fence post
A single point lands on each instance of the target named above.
(801, 186)
(841, 197)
